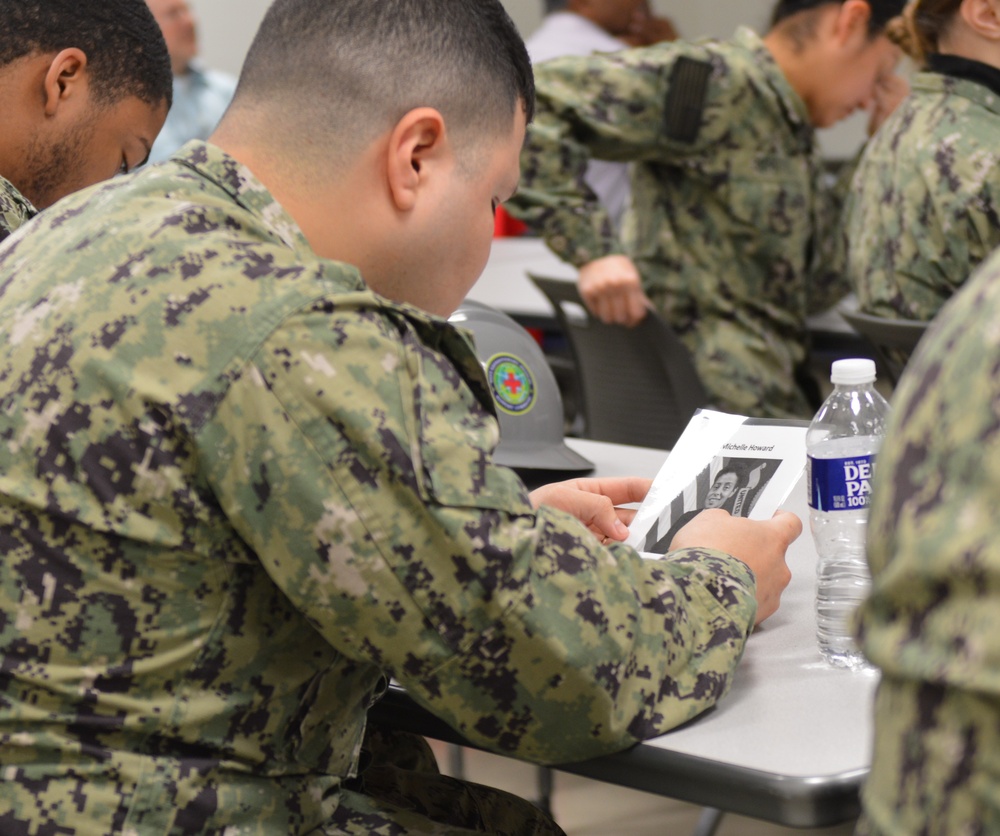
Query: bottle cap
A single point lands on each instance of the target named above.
(860, 370)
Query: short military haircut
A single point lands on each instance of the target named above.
(882, 11)
(356, 67)
(126, 53)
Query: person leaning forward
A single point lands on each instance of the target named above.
(731, 227)
(248, 472)
(84, 90)
(923, 212)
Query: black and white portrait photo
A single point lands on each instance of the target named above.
(730, 483)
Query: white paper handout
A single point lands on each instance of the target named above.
(747, 466)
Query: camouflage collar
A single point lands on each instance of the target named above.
(240, 183)
(790, 101)
(15, 208)
(976, 92)
(10, 192)
(958, 66)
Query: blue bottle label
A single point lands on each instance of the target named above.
(841, 484)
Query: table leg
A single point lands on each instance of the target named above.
(544, 783)
(709, 822)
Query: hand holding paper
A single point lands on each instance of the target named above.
(760, 544)
(595, 502)
(743, 465)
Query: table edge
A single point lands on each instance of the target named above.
(812, 801)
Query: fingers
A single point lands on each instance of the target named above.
(619, 490)
(760, 544)
(621, 305)
(592, 508)
(787, 526)
(594, 501)
(773, 574)
(605, 521)
(626, 515)
(612, 290)
(637, 306)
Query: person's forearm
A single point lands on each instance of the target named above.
(567, 674)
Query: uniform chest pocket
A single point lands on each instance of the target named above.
(772, 207)
(455, 437)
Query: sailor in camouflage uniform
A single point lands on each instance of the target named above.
(15, 210)
(239, 488)
(84, 90)
(732, 225)
(925, 208)
(932, 623)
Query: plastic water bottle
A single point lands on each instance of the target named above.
(841, 445)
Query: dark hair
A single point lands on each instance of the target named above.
(882, 11)
(554, 6)
(739, 474)
(918, 31)
(126, 53)
(360, 65)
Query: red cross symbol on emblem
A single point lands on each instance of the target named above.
(513, 384)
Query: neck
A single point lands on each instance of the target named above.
(333, 210)
(791, 61)
(964, 43)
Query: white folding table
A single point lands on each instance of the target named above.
(790, 743)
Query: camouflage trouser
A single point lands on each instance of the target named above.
(741, 373)
(400, 791)
(936, 764)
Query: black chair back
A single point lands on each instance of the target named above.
(635, 385)
(892, 340)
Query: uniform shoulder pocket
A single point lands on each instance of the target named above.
(686, 97)
(456, 435)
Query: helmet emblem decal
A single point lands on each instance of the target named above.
(512, 383)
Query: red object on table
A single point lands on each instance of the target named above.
(504, 226)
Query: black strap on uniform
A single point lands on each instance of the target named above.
(686, 98)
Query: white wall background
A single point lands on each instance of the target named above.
(228, 26)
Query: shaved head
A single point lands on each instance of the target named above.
(325, 77)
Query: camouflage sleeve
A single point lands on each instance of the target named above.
(15, 210)
(932, 623)
(610, 106)
(923, 213)
(361, 479)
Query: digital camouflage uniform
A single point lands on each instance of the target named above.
(15, 209)
(732, 224)
(924, 209)
(238, 489)
(932, 623)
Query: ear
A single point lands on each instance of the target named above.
(852, 21)
(66, 77)
(982, 17)
(417, 146)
